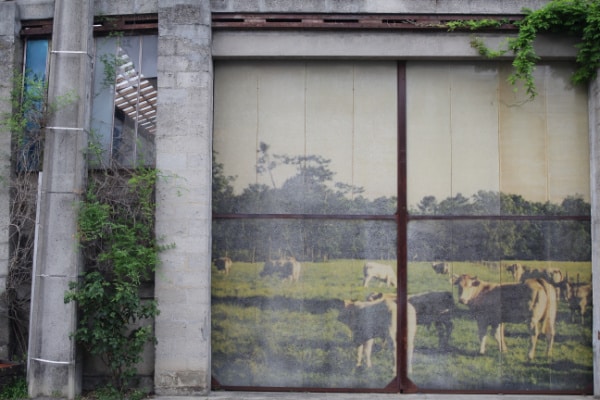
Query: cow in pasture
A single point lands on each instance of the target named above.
(382, 272)
(286, 268)
(377, 318)
(579, 298)
(516, 270)
(493, 304)
(441, 268)
(223, 265)
(435, 308)
(553, 276)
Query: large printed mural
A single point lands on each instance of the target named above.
(305, 288)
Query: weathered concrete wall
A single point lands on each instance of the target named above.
(186, 49)
(183, 148)
(378, 6)
(370, 45)
(120, 7)
(52, 360)
(9, 26)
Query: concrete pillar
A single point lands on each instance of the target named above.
(594, 128)
(183, 215)
(52, 367)
(9, 28)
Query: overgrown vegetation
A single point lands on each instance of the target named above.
(116, 234)
(575, 18)
(26, 121)
(16, 389)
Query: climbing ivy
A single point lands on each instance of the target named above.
(575, 18)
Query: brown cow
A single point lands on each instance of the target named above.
(493, 304)
(441, 268)
(223, 264)
(377, 318)
(286, 268)
(435, 308)
(579, 297)
(516, 270)
(553, 276)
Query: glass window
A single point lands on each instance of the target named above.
(32, 106)
(124, 106)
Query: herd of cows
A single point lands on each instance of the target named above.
(531, 298)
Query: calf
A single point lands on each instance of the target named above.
(223, 264)
(383, 272)
(377, 318)
(441, 268)
(493, 304)
(435, 308)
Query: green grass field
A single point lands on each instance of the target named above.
(270, 333)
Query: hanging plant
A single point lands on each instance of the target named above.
(575, 18)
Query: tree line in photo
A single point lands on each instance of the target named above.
(547, 235)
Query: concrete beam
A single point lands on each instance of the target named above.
(52, 360)
(399, 45)
(379, 6)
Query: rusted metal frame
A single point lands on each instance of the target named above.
(507, 217)
(138, 23)
(35, 28)
(216, 385)
(389, 217)
(405, 385)
(354, 21)
(375, 217)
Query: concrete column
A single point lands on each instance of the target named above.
(183, 152)
(52, 367)
(9, 28)
(594, 128)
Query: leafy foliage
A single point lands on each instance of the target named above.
(14, 390)
(116, 234)
(575, 18)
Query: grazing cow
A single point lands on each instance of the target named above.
(441, 268)
(377, 318)
(579, 297)
(286, 268)
(493, 304)
(223, 264)
(383, 272)
(516, 270)
(435, 308)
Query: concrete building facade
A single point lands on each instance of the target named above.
(188, 43)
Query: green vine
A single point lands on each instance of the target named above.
(575, 18)
(476, 24)
(116, 234)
